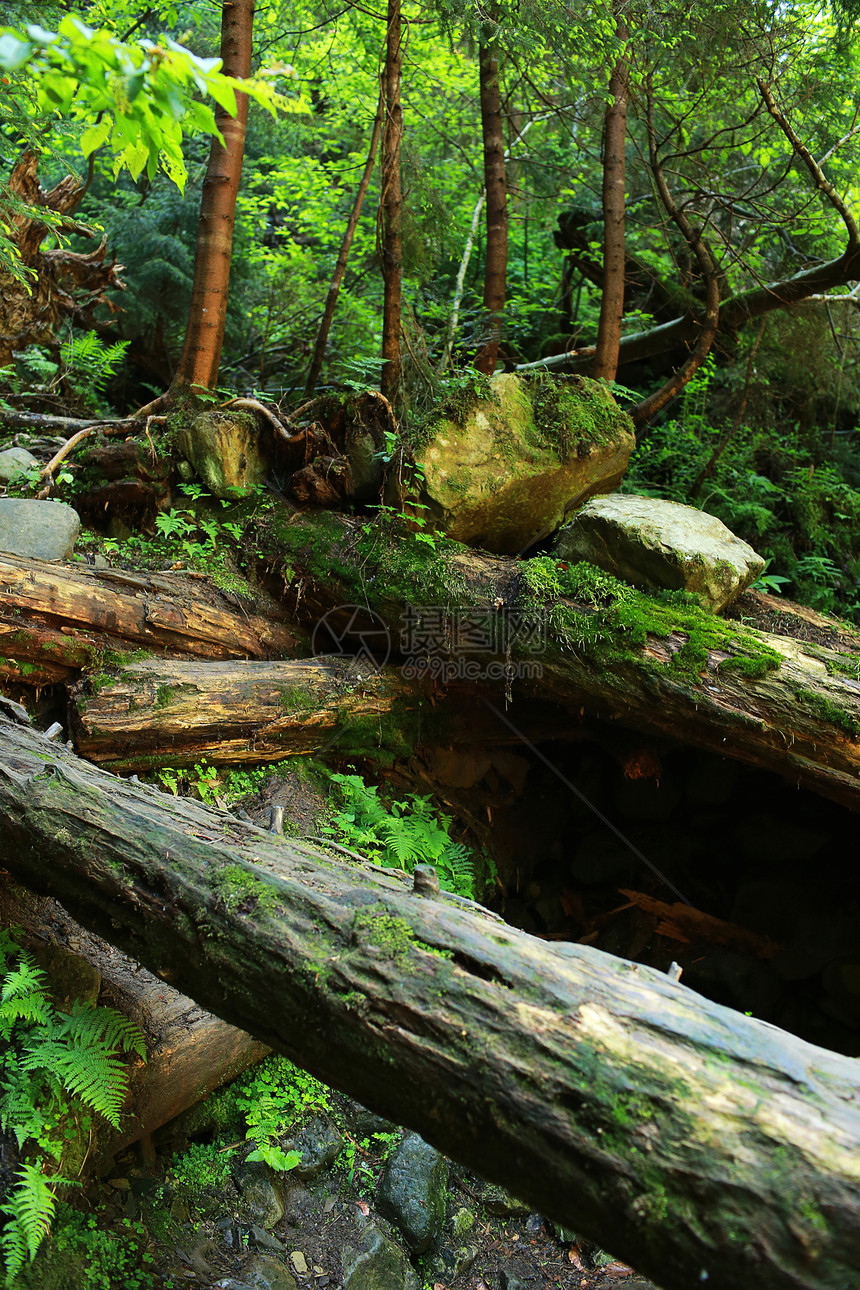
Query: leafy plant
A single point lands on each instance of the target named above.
(400, 836)
(271, 1097)
(57, 1071)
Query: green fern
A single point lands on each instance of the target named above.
(402, 835)
(56, 1070)
(29, 1212)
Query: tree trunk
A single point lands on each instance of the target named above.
(391, 208)
(197, 371)
(343, 255)
(614, 193)
(698, 1144)
(56, 619)
(496, 188)
(771, 701)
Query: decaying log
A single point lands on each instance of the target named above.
(168, 711)
(56, 620)
(800, 716)
(190, 1053)
(703, 1146)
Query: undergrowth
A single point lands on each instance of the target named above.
(59, 1072)
(401, 834)
(793, 495)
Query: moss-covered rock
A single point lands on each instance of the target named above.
(655, 544)
(503, 472)
(223, 447)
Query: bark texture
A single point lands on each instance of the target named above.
(56, 619)
(496, 189)
(614, 193)
(391, 207)
(701, 1145)
(175, 711)
(207, 315)
(65, 287)
(764, 699)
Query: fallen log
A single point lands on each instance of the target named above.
(56, 619)
(703, 1146)
(190, 1053)
(171, 711)
(589, 644)
(174, 711)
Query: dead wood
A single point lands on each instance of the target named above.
(56, 620)
(789, 706)
(700, 1145)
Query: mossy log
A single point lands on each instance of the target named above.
(703, 1146)
(56, 619)
(175, 711)
(190, 1053)
(600, 647)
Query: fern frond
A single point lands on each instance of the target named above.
(29, 1210)
(25, 979)
(87, 1024)
(95, 1075)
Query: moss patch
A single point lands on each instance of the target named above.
(615, 620)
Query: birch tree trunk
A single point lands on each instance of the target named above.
(496, 187)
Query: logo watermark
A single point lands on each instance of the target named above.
(439, 644)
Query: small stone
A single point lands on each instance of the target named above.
(379, 1264)
(15, 461)
(319, 1145)
(260, 1195)
(38, 530)
(299, 1262)
(266, 1273)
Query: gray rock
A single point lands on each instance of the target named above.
(319, 1145)
(14, 461)
(412, 1191)
(223, 448)
(260, 1195)
(503, 470)
(38, 530)
(655, 544)
(379, 1264)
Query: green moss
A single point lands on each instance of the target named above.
(393, 937)
(828, 711)
(292, 698)
(613, 620)
(572, 414)
(242, 891)
(163, 696)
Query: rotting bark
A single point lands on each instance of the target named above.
(65, 287)
(56, 620)
(174, 711)
(771, 701)
(698, 1144)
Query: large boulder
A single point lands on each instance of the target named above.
(500, 467)
(38, 530)
(655, 544)
(224, 449)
